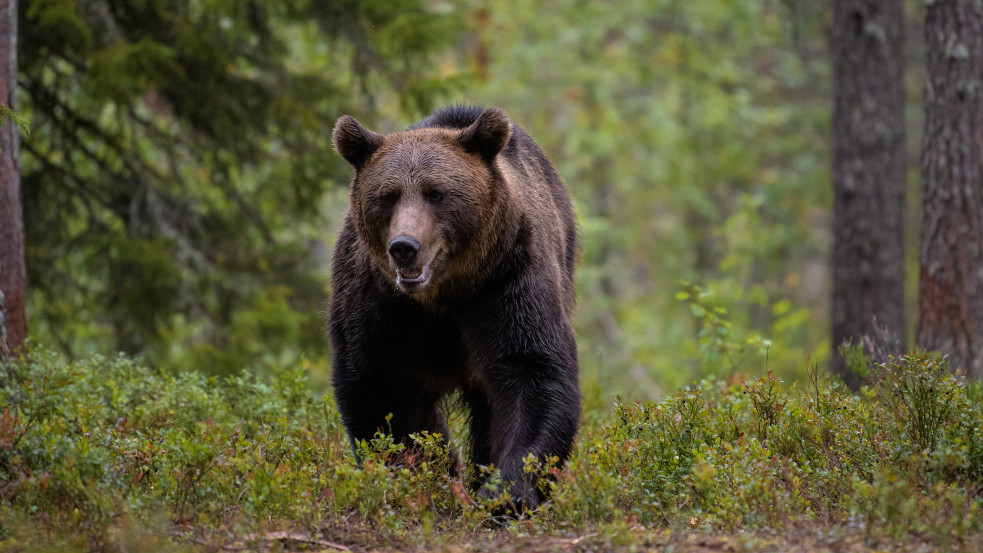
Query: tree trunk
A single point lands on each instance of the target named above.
(868, 172)
(950, 283)
(13, 276)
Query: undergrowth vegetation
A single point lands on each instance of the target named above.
(108, 454)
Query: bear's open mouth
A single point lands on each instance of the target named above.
(412, 277)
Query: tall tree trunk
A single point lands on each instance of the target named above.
(13, 276)
(868, 172)
(950, 283)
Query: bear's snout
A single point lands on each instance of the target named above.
(403, 250)
(412, 274)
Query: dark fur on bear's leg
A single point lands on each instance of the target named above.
(454, 271)
(533, 397)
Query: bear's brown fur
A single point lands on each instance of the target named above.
(454, 272)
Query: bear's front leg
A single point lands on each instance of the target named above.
(369, 407)
(535, 409)
(530, 378)
(385, 354)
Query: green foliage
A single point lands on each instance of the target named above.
(687, 133)
(101, 453)
(8, 116)
(88, 445)
(921, 396)
(856, 359)
(175, 184)
(761, 456)
(718, 345)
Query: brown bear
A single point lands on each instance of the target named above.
(453, 272)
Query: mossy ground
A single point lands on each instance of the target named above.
(107, 454)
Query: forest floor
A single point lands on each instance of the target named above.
(108, 455)
(801, 539)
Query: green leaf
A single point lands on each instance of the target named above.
(7, 115)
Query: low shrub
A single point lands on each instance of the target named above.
(107, 453)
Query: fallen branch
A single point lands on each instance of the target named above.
(291, 537)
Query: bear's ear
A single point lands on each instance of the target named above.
(488, 135)
(354, 142)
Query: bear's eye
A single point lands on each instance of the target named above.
(389, 198)
(434, 196)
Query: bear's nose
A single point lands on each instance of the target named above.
(403, 249)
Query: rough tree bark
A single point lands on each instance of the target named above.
(868, 172)
(950, 282)
(13, 276)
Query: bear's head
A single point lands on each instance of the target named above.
(424, 201)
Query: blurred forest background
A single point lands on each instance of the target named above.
(181, 196)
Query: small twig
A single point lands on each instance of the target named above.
(295, 537)
(280, 536)
(211, 545)
(575, 541)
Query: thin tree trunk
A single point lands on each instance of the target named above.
(868, 172)
(950, 284)
(12, 272)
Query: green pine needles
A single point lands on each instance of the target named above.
(8, 116)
